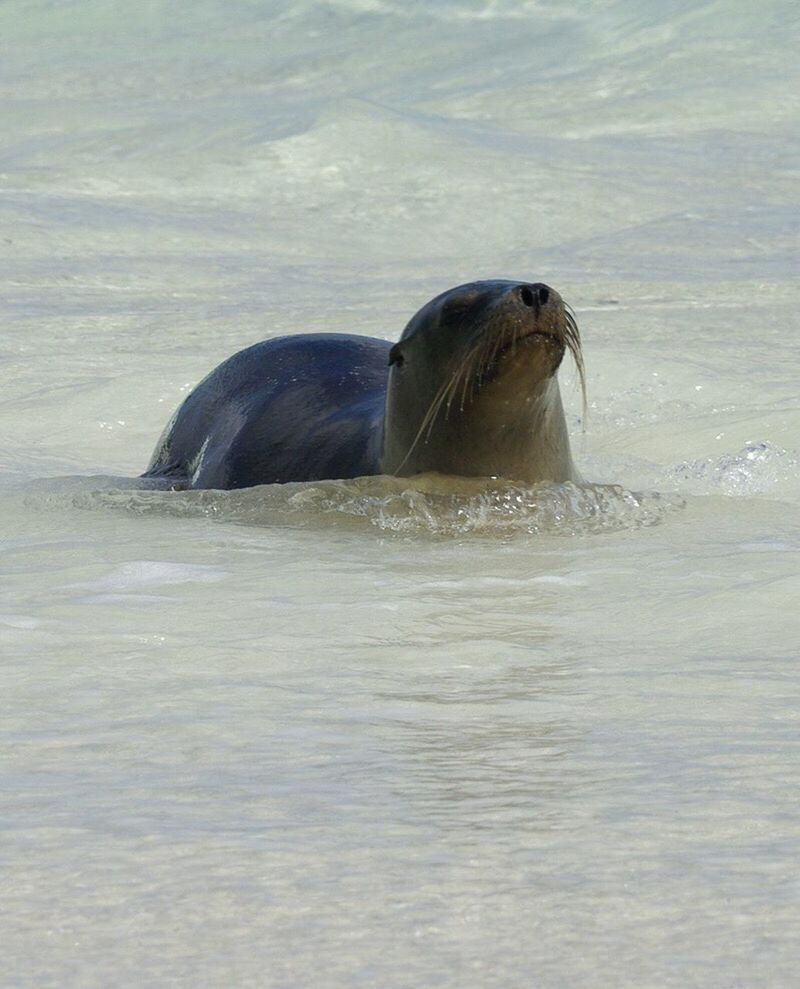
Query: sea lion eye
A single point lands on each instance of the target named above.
(396, 356)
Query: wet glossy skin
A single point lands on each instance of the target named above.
(470, 389)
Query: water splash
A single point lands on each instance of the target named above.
(761, 468)
(428, 504)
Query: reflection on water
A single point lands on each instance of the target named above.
(486, 749)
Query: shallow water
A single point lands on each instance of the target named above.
(380, 732)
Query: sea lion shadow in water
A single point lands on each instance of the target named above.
(469, 390)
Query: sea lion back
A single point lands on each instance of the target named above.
(298, 408)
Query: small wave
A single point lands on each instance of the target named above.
(757, 469)
(429, 504)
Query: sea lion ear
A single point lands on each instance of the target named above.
(396, 356)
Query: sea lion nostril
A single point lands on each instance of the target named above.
(534, 295)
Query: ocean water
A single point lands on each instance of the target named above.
(377, 733)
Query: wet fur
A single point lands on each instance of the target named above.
(315, 406)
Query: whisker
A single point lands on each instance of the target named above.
(433, 410)
(465, 378)
(445, 394)
(572, 338)
(447, 398)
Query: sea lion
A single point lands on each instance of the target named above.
(470, 389)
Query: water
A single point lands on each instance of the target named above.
(376, 733)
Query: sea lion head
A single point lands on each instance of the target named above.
(472, 387)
